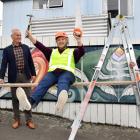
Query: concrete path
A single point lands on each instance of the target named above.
(55, 128)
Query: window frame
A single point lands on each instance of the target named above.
(61, 6)
(105, 8)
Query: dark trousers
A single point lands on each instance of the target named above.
(21, 78)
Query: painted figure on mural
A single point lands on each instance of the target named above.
(115, 68)
(61, 71)
(17, 59)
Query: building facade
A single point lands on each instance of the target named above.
(50, 16)
(57, 9)
(0, 27)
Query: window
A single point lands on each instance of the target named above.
(40, 4)
(112, 7)
(43, 4)
(126, 7)
(55, 3)
(115, 7)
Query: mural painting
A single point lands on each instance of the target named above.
(115, 68)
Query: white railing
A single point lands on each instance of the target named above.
(49, 41)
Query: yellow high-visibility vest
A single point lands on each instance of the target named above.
(65, 60)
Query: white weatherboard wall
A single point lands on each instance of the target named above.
(114, 114)
(20, 8)
(49, 41)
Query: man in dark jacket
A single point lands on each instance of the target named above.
(17, 58)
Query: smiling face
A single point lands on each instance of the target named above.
(62, 42)
(16, 36)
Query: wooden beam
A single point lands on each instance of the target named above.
(77, 84)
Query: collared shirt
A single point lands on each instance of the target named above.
(19, 58)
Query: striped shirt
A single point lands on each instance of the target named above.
(19, 58)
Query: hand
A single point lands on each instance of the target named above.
(78, 39)
(28, 34)
(77, 36)
(132, 64)
(30, 37)
(77, 33)
(33, 78)
(1, 81)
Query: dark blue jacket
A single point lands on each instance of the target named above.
(9, 60)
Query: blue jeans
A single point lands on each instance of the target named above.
(63, 81)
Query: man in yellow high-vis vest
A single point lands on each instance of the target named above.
(61, 68)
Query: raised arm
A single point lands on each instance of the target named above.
(31, 37)
(79, 51)
(77, 33)
(45, 50)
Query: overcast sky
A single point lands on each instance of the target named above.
(1, 10)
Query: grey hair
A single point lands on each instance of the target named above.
(14, 30)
